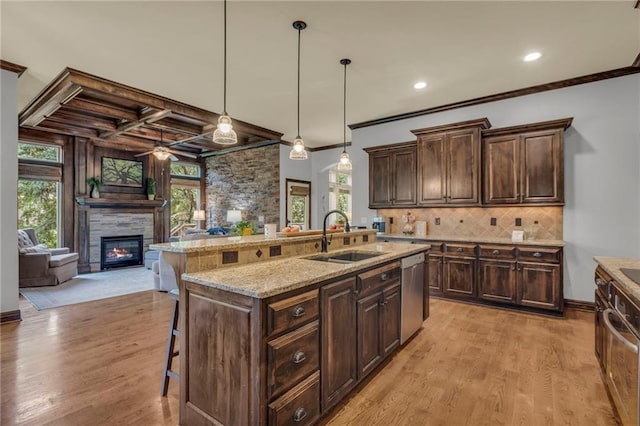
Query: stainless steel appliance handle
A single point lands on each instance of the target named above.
(616, 333)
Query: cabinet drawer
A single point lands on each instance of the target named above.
(497, 252)
(299, 406)
(379, 277)
(465, 250)
(288, 313)
(539, 254)
(292, 357)
(436, 247)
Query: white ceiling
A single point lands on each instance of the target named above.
(462, 49)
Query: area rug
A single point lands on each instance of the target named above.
(88, 287)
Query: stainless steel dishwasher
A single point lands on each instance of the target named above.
(412, 282)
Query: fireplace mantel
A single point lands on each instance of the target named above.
(113, 202)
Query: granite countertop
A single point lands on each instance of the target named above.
(236, 242)
(266, 279)
(612, 266)
(487, 240)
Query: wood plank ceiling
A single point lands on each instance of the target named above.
(121, 117)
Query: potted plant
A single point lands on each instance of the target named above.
(243, 228)
(151, 188)
(94, 185)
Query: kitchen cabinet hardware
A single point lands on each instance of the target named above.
(537, 254)
(299, 357)
(299, 312)
(384, 276)
(300, 414)
(459, 249)
(496, 252)
(616, 333)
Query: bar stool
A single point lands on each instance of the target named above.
(171, 341)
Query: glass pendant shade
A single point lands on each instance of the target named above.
(161, 155)
(298, 152)
(344, 163)
(224, 133)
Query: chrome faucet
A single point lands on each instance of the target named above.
(347, 228)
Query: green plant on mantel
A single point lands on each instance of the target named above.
(94, 185)
(243, 228)
(151, 188)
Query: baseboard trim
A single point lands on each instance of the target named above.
(580, 305)
(10, 316)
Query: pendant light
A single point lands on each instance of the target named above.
(298, 152)
(345, 163)
(224, 134)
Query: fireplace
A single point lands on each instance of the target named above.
(120, 251)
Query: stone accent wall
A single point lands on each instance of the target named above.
(476, 221)
(117, 224)
(247, 180)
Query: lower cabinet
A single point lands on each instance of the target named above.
(378, 327)
(435, 260)
(497, 280)
(459, 270)
(338, 366)
(539, 286)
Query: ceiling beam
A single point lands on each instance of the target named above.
(85, 106)
(146, 118)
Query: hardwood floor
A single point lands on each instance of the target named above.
(100, 363)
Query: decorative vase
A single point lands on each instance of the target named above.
(246, 232)
(94, 192)
(151, 196)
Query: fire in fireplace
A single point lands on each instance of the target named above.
(121, 251)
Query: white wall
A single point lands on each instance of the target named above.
(602, 165)
(8, 191)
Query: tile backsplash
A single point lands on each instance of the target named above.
(476, 221)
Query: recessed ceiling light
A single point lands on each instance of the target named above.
(532, 56)
(420, 85)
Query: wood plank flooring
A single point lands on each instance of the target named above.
(100, 363)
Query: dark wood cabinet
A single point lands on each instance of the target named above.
(601, 305)
(434, 272)
(539, 285)
(449, 163)
(392, 175)
(369, 336)
(497, 273)
(459, 270)
(390, 319)
(524, 164)
(339, 356)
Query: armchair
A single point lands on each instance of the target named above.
(39, 265)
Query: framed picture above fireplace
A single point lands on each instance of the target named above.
(121, 172)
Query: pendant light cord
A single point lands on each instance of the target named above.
(344, 109)
(299, 29)
(224, 92)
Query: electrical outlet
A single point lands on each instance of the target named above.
(391, 221)
(494, 221)
(535, 222)
(261, 219)
(518, 221)
(437, 221)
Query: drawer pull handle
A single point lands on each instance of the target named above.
(299, 357)
(299, 414)
(600, 281)
(459, 249)
(384, 276)
(299, 311)
(537, 254)
(496, 252)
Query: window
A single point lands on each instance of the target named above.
(185, 196)
(39, 189)
(339, 193)
(39, 152)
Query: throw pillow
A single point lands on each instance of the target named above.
(40, 248)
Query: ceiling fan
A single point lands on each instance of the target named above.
(162, 152)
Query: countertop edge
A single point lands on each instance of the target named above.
(612, 266)
(330, 271)
(477, 240)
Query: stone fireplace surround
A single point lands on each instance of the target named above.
(102, 224)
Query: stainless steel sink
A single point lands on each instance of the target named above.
(345, 257)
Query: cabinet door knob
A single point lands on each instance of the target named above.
(537, 254)
(496, 252)
(299, 357)
(459, 249)
(299, 311)
(299, 414)
(384, 276)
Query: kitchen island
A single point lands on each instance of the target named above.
(283, 341)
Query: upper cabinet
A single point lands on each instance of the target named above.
(392, 175)
(524, 164)
(448, 170)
